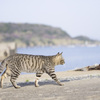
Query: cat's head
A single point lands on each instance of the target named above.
(59, 59)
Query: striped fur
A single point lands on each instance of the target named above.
(18, 63)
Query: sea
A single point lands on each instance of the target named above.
(75, 56)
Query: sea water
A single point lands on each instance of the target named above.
(75, 57)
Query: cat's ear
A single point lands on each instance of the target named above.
(61, 53)
(58, 53)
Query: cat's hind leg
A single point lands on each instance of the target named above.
(5, 74)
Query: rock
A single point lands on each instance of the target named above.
(7, 49)
(88, 68)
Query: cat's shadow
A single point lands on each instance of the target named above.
(41, 83)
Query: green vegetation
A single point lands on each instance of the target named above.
(46, 79)
(27, 81)
(39, 35)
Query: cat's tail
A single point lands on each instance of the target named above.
(2, 66)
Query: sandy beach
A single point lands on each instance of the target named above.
(78, 85)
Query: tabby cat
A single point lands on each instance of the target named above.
(15, 64)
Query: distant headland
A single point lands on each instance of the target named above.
(40, 35)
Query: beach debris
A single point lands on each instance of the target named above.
(88, 68)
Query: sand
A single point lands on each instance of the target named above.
(77, 86)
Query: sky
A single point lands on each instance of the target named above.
(76, 17)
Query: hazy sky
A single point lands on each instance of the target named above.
(76, 17)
